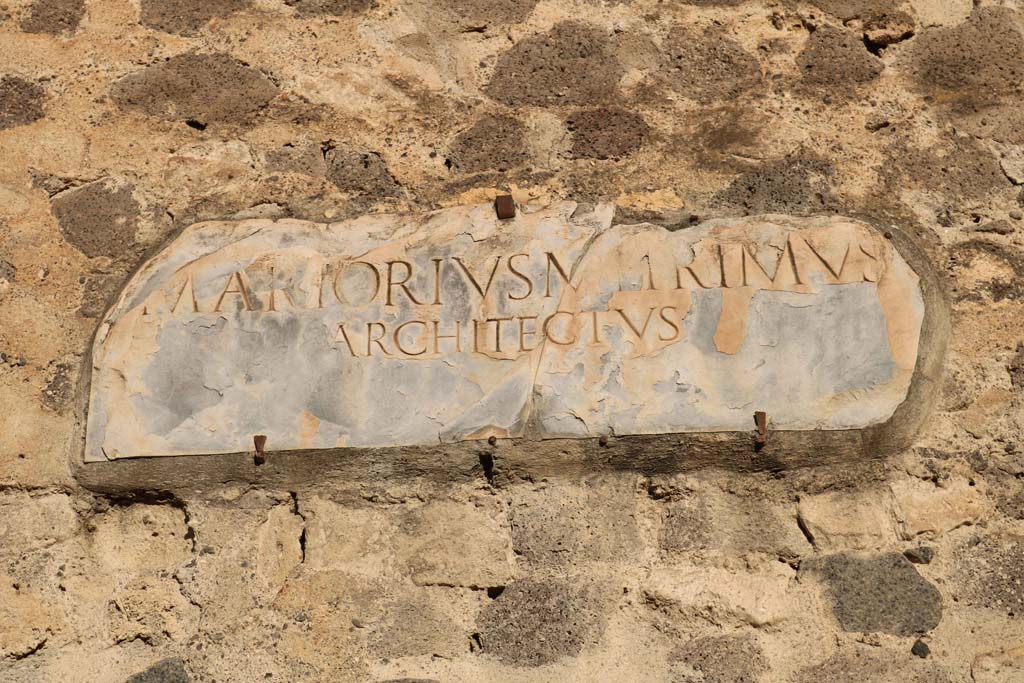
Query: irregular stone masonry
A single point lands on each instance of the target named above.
(685, 557)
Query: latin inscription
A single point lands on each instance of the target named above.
(411, 293)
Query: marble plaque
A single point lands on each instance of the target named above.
(450, 326)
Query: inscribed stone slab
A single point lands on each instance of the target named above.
(450, 326)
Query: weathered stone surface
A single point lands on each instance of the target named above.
(55, 17)
(153, 610)
(21, 102)
(205, 88)
(352, 540)
(1000, 666)
(572, 64)
(887, 28)
(559, 525)
(538, 621)
(141, 538)
(866, 666)
(755, 598)
(185, 16)
(29, 523)
(268, 327)
(705, 522)
(879, 593)
(977, 60)
(308, 159)
(26, 620)
(799, 185)
(861, 519)
(453, 544)
(924, 508)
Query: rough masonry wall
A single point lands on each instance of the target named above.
(122, 122)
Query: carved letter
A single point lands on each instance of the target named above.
(523, 333)
(370, 339)
(271, 306)
(671, 322)
(457, 336)
(835, 273)
(639, 333)
(398, 339)
(234, 277)
(552, 261)
(545, 328)
(597, 330)
(339, 295)
(650, 272)
(871, 276)
(476, 285)
(392, 283)
(437, 281)
(191, 293)
(497, 331)
(521, 276)
(342, 335)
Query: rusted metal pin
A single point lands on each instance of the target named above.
(761, 420)
(260, 442)
(505, 206)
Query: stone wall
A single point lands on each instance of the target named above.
(123, 122)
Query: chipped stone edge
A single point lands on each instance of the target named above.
(461, 462)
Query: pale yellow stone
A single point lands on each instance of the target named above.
(1000, 666)
(456, 544)
(926, 508)
(31, 522)
(855, 520)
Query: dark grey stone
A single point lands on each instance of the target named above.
(201, 88)
(55, 17)
(719, 659)
(21, 102)
(185, 16)
(606, 133)
(98, 219)
(990, 571)
(337, 8)
(883, 593)
(794, 185)
(572, 64)
(708, 65)
(363, 173)
(59, 389)
(922, 555)
(834, 57)
(493, 143)
(920, 649)
(171, 670)
(535, 622)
